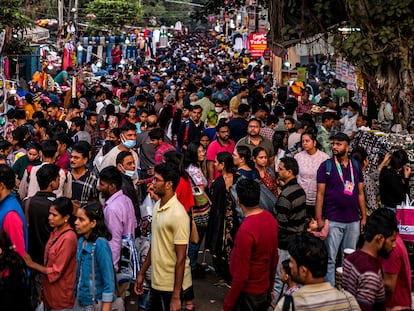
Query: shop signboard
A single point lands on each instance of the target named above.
(257, 44)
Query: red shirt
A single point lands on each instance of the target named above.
(63, 160)
(161, 150)
(254, 258)
(398, 263)
(184, 193)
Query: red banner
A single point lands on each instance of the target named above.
(257, 44)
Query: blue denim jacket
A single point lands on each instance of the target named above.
(104, 272)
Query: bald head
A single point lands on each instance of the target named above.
(152, 121)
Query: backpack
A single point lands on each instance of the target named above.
(129, 261)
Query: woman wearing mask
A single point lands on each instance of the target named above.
(60, 264)
(309, 161)
(93, 257)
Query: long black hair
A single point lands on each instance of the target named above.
(94, 211)
(191, 154)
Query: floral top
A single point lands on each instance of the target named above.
(269, 180)
(371, 190)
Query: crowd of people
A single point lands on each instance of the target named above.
(126, 182)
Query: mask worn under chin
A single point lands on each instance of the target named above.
(129, 143)
(129, 173)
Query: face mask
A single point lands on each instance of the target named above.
(218, 109)
(129, 173)
(344, 112)
(350, 113)
(129, 143)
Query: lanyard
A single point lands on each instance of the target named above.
(341, 175)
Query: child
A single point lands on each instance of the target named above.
(289, 285)
(311, 225)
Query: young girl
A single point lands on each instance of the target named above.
(93, 249)
(60, 264)
(311, 225)
(289, 285)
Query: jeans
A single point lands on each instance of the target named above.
(278, 286)
(339, 232)
(161, 300)
(193, 248)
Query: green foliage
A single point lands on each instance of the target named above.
(114, 14)
(12, 16)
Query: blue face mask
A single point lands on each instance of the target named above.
(129, 173)
(350, 113)
(344, 112)
(129, 143)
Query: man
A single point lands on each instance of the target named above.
(146, 149)
(269, 129)
(349, 121)
(308, 264)
(238, 125)
(253, 140)
(64, 77)
(78, 130)
(339, 95)
(239, 99)
(339, 198)
(205, 103)
(161, 147)
(128, 141)
(54, 113)
(171, 276)
(63, 142)
(290, 212)
(362, 123)
(254, 256)
(91, 122)
(12, 218)
(118, 210)
(262, 114)
(84, 182)
(29, 186)
(397, 278)
(190, 130)
(222, 143)
(324, 133)
(37, 210)
(363, 275)
(40, 128)
(126, 165)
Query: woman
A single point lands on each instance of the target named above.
(32, 158)
(13, 278)
(18, 140)
(279, 145)
(309, 161)
(130, 116)
(242, 159)
(194, 157)
(223, 223)
(158, 102)
(266, 174)
(179, 97)
(93, 257)
(394, 180)
(60, 264)
(371, 178)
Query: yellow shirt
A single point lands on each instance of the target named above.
(170, 227)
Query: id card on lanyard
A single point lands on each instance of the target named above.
(348, 185)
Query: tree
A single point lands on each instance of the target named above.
(114, 14)
(380, 41)
(12, 21)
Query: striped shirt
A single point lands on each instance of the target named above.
(321, 297)
(290, 212)
(363, 278)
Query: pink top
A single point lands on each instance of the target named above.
(214, 148)
(13, 225)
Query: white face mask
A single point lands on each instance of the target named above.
(129, 173)
(218, 109)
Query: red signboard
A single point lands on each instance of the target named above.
(257, 44)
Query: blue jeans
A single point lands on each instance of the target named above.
(339, 232)
(194, 248)
(278, 285)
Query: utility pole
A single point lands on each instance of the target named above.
(60, 12)
(75, 14)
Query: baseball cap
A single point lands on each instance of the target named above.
(341, 137)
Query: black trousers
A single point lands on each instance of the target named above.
(160, 300)
(252, 302)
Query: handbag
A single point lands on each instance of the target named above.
(405, 219)
(194, 236)
(201, 209)
(118, 304)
